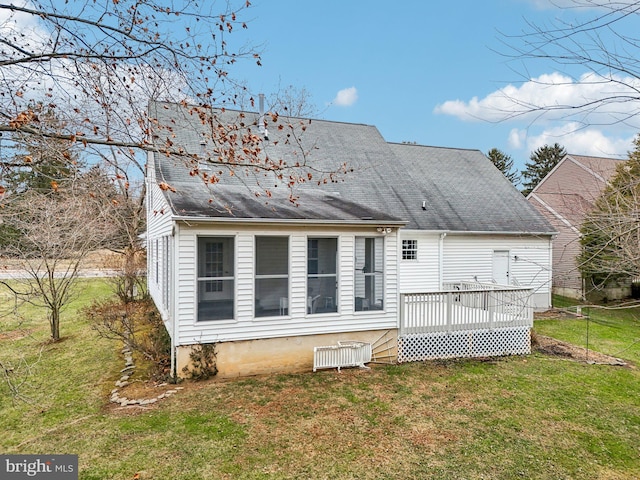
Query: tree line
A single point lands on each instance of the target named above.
(540, 163)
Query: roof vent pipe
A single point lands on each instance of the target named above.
(261, 125)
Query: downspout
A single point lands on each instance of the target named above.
(441, 260)
(550, 299)
(173, 303)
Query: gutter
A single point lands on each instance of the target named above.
(480, 232)
(296, 221)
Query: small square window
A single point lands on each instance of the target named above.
(409, 249)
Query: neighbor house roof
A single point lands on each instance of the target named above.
(461, 189)
(572, 187)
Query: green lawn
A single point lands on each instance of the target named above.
(613, 330)
(533, 417)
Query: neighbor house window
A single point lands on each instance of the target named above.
(322, 275)
(369, 273)
(272, 276)
(409, 249)
(216, 278)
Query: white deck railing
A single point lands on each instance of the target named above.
(466, 306)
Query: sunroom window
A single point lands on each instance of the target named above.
(369, 273)
(272, 276)
(216, 278)
(322, 277)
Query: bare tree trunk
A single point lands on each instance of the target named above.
(54, 322)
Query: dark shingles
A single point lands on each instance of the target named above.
(461, 189)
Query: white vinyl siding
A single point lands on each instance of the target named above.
(470, 257)
(422, 274)
(298, 320)
(159, 251)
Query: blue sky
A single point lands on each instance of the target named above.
(420, 71)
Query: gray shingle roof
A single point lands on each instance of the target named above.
(462, 190)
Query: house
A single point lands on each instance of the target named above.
(268, 272)
(564, 196)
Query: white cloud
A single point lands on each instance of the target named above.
(552, 97)
(346, 97)
(576, 140)
(517, 138)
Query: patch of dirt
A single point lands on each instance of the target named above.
(557, 348)
(15, 334)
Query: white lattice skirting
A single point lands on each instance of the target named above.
(470, 343)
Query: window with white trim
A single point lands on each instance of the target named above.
(216, 278)
(322, 275)
(409, 249)
(369, 273)
(272, 276)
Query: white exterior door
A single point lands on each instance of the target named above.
(501, 267)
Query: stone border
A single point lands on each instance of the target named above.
(126, 372)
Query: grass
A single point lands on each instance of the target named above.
(613, 330)
(533, 417)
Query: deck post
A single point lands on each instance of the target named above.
(401, 320)
(449, 306)
(491, 306)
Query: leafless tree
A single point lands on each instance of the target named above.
(57, 230)
(597, 52)
(17, 376)
(96, 64)
(611, 231)
(293, 102)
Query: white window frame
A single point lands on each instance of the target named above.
(410, 249)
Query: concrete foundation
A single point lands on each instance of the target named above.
(281, 355)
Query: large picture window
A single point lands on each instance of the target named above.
(322, 277)
(216, 285)
(272, 276)
(369, 273)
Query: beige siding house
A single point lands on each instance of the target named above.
(564, 196)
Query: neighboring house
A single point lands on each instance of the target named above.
(564, 196)
(365, 257)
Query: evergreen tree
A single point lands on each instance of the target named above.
(541, 163)
(43, 162)
(504, 163)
